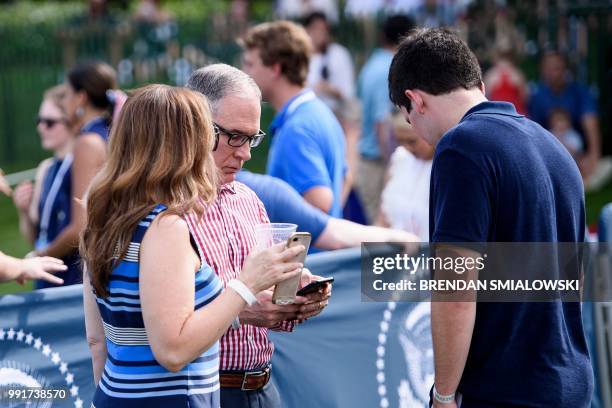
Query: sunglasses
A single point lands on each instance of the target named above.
(238, 139)
(48, 122)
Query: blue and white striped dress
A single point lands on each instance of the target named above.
(132, 377)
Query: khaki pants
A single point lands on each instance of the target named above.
(369, 183)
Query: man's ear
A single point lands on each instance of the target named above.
(416, 99)
(482, 87)
(277, 69)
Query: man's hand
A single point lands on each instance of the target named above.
(264, 313)
(313, 303)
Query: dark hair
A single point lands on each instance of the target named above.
(314, 16)
(433, 60)
(94, 78)
(395, 28)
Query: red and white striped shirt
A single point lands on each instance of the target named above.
(226, 234)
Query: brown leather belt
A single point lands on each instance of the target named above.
(245, 380)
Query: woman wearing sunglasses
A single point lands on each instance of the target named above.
(89, 105)
(45, 206)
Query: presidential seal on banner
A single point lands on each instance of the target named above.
(32, 374)
(405, 335)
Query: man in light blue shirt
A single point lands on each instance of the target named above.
(376, 108)
(308, 147)
(284, 204)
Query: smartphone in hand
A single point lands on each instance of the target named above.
(285, 291)
(313, 287)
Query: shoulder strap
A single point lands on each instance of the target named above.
(193, 237)
(145, 223)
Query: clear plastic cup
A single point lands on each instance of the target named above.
(268, 235)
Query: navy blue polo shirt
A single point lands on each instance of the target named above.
(284, 204)
(500, 177)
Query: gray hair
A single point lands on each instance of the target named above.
(217, 81)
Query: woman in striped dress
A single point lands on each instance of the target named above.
(154, 309)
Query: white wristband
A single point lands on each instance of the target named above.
(443, 399)
(243, 291)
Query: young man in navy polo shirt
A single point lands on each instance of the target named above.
(308, 147)
(496, 177)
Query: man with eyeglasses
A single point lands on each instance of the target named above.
(237, 139)
(226, 234)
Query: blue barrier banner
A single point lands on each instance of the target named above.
(353, 355)
(43, 344)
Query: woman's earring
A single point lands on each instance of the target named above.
(79, 112)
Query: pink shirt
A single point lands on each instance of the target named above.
(226, 234)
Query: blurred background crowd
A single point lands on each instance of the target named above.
(551, 58)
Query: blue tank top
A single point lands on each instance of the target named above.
(99, 126)
(54, 209)
(132, 377)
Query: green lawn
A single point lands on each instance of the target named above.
(596, 201)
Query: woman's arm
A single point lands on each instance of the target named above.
(89, 157)
(178, 334)
(94, 328)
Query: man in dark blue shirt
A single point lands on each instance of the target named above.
(496, 177)
(556, 91)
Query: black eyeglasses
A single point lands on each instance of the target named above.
(48, 122)
(238, 139)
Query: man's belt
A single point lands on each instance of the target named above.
(245, 380)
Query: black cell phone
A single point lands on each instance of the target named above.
(313, 287)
